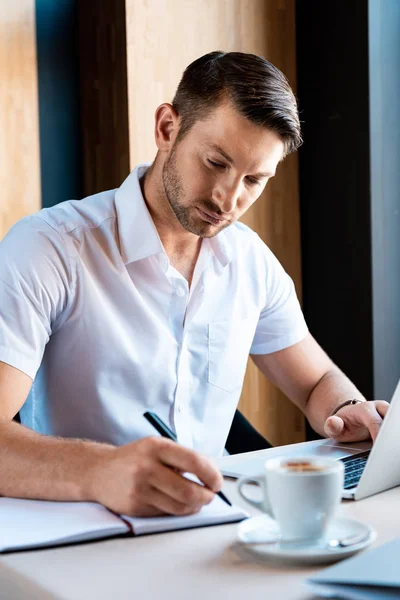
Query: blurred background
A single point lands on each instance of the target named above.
(80, 82)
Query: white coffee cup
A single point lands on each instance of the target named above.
(301, 494)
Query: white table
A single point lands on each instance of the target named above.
(196, 564)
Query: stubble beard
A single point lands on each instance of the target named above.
(173, 191)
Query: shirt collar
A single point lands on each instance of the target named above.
(222, 248)
(138, 236)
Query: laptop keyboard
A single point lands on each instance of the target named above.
(353, 469)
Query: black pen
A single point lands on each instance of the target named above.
(165, 431)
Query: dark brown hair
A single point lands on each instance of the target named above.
(257, 89)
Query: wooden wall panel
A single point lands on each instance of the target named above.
(163, 37)
(104, 96)
(19, 137)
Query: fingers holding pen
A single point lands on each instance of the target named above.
(145, 478)
(187, 493)
(156, 503)
(186, 460)
(173, 492)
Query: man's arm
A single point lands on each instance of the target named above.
(306, 374)
(141, 478)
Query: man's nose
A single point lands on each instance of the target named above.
(226, 195)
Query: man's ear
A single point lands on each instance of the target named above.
(166, 127)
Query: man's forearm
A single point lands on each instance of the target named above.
(333, 389)
(49, 468)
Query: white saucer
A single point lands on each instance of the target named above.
(256, 529)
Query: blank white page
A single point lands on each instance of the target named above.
(37, 523)
(215, 513)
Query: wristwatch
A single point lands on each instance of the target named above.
(347, 403)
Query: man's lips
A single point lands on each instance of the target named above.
(213, 219)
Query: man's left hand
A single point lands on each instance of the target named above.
(357, 422)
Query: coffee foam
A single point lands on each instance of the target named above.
(302, 467)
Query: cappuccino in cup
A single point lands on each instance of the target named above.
(301, 494)
(302, 467)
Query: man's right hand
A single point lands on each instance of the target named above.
(144, 478)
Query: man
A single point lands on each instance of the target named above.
(151, 297)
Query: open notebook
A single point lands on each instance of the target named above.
(27, 524)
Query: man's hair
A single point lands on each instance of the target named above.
(257, 89)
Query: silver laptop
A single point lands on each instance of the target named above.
(368, 469)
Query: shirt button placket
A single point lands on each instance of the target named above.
(182, 424)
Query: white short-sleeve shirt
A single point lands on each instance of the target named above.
(93, 311)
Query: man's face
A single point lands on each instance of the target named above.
(218, 170)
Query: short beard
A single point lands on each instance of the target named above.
(173, 191)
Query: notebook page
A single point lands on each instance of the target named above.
(37, 523)
(217, 512)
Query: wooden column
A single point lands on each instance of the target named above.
(104, 97)
(19, 138)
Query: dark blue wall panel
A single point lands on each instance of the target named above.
(58, 82)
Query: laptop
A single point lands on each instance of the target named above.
(369, 469)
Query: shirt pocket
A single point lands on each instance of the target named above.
(229, 344)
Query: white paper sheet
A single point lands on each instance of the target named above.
(37, 523)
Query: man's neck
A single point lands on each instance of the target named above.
(181, 246)
(185, 264)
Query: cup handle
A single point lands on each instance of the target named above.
(264, 504)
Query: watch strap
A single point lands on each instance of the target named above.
(347, 403)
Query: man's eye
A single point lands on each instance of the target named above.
(215, 164)
(252, 180)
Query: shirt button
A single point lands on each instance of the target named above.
(180, 292)
(180, 407)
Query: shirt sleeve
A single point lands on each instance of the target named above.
(281, 323)
(35, 286)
